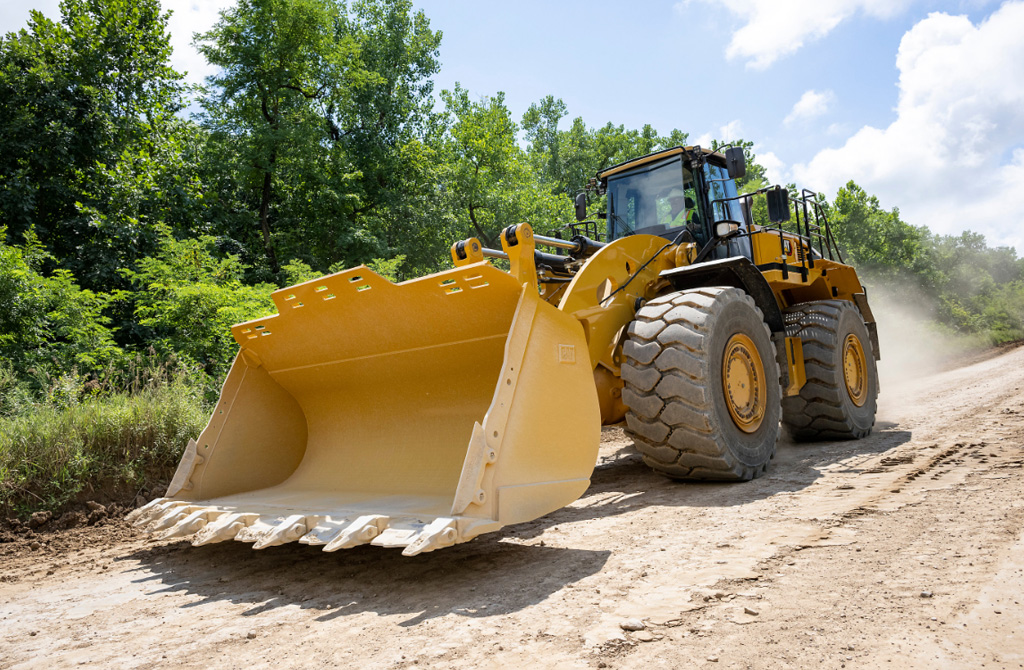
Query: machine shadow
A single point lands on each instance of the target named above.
(474, 579)
(622, 482)
(482, 578)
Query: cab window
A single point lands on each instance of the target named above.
(720, 186)
(649, 200)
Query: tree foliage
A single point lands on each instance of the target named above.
(49, 325)
(972, 287)
(266, 106)
(189, 297)
(487, 173)
(77, 98)
(326, 127)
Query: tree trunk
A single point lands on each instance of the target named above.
(264, 212)
(479, 231)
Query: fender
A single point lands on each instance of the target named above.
(738, 272)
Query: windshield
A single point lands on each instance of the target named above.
(658, 200)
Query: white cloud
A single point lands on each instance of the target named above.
(837, 129)
(703, 140)
(774, 169)
(810, 105)
(776, 28)
(954, 157)
(731, 131)
(727, 133)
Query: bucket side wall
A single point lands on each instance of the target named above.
(256, 436)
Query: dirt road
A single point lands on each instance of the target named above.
(902, 550)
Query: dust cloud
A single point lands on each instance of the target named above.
(912, 345)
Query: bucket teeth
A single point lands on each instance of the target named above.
(192, 523)
(254, 531)
(439, 533)
(398, 537)
(144, 511)
(155, 510)
(331, 530)
(225, 527)
(326, 530)
(171, 517)
(360, 531)
(289, 530)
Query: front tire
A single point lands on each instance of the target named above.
(702, 385)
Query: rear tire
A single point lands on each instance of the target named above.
(839, 400)
(702, 385)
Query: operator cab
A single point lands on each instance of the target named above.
(645, 196)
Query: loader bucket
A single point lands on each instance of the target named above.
(412, 415)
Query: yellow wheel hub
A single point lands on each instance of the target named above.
(744, 383)
(855, 370)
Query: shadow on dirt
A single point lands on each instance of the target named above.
(483, 578)
(493, 575)
(622, 482)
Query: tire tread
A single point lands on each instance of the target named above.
(819, 411)
(671, 420)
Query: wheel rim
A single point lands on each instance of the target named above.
(743, 382)
(855, 370)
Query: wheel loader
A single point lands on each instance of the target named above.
(422, 414)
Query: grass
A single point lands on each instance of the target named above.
(109, 446)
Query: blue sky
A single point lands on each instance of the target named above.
(922, 103)
(664, 64)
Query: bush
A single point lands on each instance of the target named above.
(188, 299)
(115, 444)
(48, 326)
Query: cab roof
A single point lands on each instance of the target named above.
(656, 156)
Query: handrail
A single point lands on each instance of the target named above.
(815, 234)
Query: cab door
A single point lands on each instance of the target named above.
(721, 205)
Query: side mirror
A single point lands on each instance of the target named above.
(778, 204)
(735, 162)
(581, 206)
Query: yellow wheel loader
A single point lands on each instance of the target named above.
(422, 414)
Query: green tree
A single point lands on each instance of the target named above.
(323, 137)
(188, 296)
(488, 174)
(279, 61)
(563, 161)
(878, 241)
(49, 326)
(482, 160)
(155, 184)
(566, 159)
(75, 96)
(385, 126)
